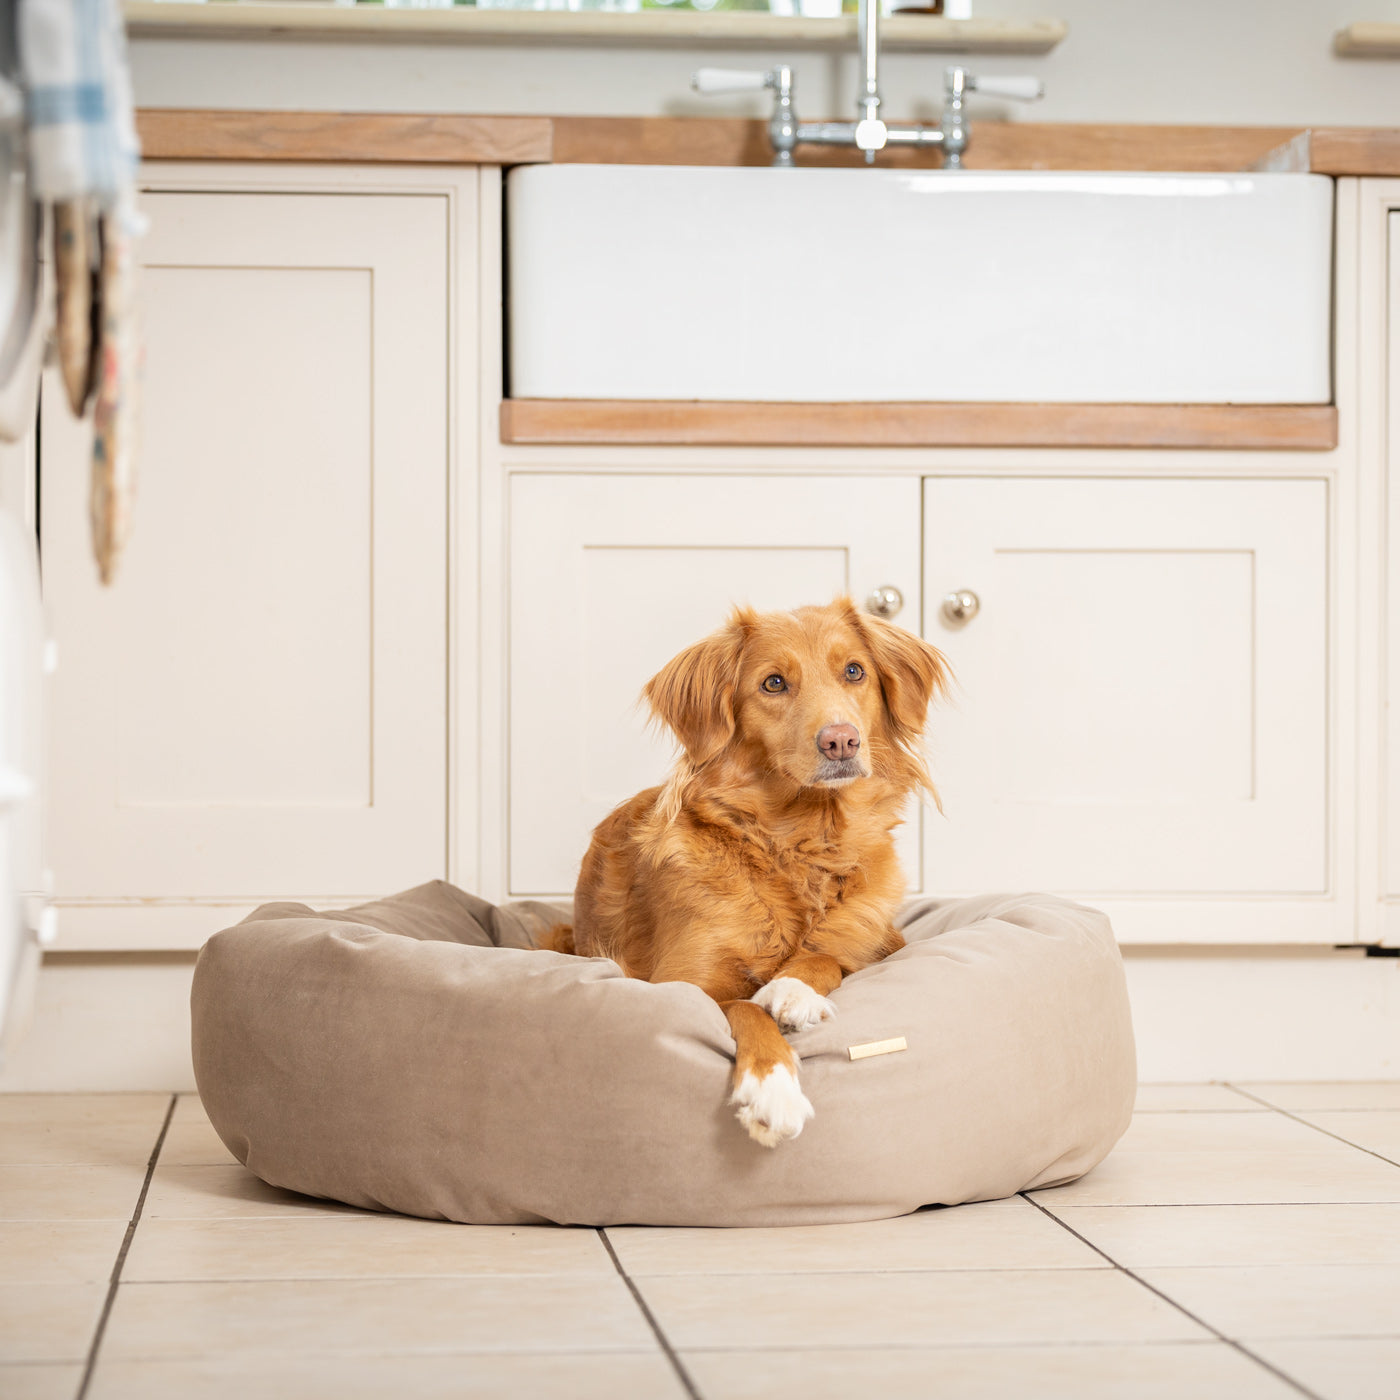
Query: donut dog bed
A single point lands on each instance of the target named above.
(420, 1055)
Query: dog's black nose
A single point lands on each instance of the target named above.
(837, 741)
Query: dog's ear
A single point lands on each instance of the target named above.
(911, 672)
(693, 694)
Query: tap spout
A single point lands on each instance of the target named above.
(870, 132)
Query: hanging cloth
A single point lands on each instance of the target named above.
(82, 131)
(83, 155)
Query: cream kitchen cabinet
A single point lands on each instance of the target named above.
(1141, 715)
(1143, 707)
(612, 575)
(358, 641)
(258, 708)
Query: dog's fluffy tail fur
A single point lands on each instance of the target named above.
(559, 939)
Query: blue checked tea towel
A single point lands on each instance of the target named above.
(82, 132)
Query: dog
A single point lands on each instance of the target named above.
(764, 870)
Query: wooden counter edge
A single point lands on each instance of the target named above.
(343, 137)
(560, 422)
(1355, 150)
(464, 139)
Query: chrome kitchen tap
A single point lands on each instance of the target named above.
(870, 133)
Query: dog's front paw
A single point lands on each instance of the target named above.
(773, 1108)
(793, 1004)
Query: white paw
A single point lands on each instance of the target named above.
(773, 1108)
(793, 1004)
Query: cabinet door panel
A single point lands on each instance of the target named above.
(1143, 705)
(611, 576)
(257, 706)
(263, 502)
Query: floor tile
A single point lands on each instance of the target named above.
(1143, 1236)
(77, 1144)
(192, 1143)
(48, 1321)
(1193, 1098)
(358, 1246)
(908, 1309)
(1362, 1368)
(1289, 1300)
(1377, 1130)
(1219, 1132)
(962, 1237)
(587, 1376)
(226, 1192)
(84, 1108)
(44, 1382)
(1360, 1094)
(1330, 1172)
(189, 1109)
(69, 1193)
(375, 1315)
(59, 1251)
(1155, 1371)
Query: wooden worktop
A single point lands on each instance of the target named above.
(366, 137)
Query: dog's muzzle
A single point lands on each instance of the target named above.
(842, 770)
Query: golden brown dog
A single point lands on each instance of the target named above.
(764, 869)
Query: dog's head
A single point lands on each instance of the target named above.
(823, 695)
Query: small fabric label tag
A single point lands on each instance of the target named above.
(877, 1047)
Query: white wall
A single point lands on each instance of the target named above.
(1239, 62)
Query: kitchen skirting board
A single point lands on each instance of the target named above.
(1264, 1013)
(121, 1022)
(106, 1022)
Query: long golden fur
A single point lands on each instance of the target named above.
(764, 869)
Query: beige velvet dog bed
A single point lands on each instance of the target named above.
(418, 1055)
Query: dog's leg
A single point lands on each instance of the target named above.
(796, 995)
(770, 1102)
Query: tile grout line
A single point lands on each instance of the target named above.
(1186, 1312)
(1216, 1205)
(111, 1298)
(676, 1364)
(1336, 1137)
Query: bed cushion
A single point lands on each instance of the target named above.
(419, 1054)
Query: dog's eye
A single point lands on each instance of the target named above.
(855, 671)
(774, 684)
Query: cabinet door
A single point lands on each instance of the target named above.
(257, 705)
(611, 576)
(1143, 708)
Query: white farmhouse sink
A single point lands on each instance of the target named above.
(675, 282)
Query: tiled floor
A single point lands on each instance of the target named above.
(1242, 1241)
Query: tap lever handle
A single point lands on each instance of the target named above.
(1024, 89)
(731, 80)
